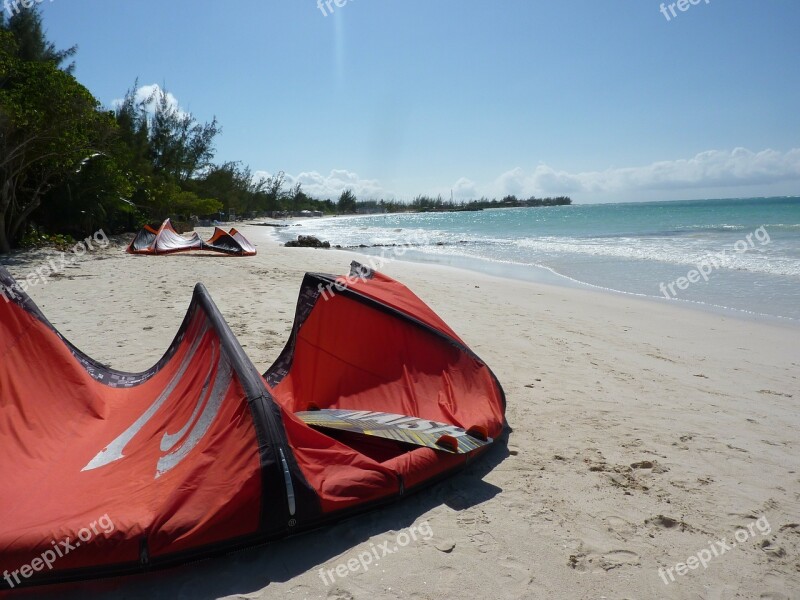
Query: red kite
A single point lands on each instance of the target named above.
(165, 240)
(106, 472)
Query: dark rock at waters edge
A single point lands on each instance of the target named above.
(269, 224)
(307, 241)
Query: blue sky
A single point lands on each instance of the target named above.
(600, 100)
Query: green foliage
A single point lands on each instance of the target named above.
(49, 123)
(187, 203)
(231, 184)
(33, 239)
(180, 147)
(428, 204)
(347, 202)
(92, 198)
(163, 150)
(31, 44)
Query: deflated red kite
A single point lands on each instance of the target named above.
(165, 240)
(106, 472)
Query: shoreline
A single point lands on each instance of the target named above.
(539, 274)
(547, 276)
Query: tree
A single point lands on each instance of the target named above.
(180, 146)
(95, 197)
(49, 124)
(232, 184)
(300, 200)
(188, 204)
(31, 44)
(347, 202)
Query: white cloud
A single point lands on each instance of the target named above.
(152, 93)
(465, 189)
(332, 185)
(723, 172)
(710, 169)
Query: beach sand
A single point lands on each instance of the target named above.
(643, 434)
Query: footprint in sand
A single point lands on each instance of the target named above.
(620, 527)
(665, 522)
(773, 393)
(584, 562)
(515, 576)
(483, 541)
(473, 521)
(473, 518)
(776, 580)
(619, 558)
(340, 594)
(773, 552)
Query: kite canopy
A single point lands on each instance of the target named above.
(106, 472)
(165, 240)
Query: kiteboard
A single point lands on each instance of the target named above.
(401, 428)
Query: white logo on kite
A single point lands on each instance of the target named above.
(403, 422)
(205, 411)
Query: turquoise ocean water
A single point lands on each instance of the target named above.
(745, 252)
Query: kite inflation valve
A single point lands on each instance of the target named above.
(448, 442)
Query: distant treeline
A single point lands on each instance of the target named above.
(69, 166)
(438, 204)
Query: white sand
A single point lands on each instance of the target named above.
(595, 383)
